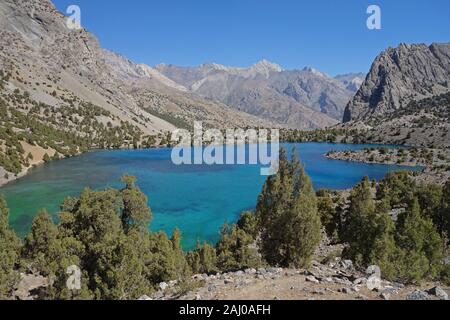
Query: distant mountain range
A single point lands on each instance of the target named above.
(38, 47)
(295, 98)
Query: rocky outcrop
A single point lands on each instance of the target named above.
(41, 52)
(401, 75)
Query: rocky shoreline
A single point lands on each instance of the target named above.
(435, 162)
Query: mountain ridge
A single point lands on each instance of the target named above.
(304, 98)
(410, 72)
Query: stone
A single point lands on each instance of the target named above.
(145, 298)
(158, 295)
(389, 290)
(212, 288)
(360, 281)
(438, 292)
(261, 271)
(418, 295)
(373, 269)
(385, 296)
(250, 271)
(312, 279)
(347, 290)
(274, 270)
(346, 264)
(343, 281)
(327, 279)
(320, 291)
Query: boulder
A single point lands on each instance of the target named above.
(385, 296)
(346, 264)
(418, 295)
(438, 292)
(312, 279)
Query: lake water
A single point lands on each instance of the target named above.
(195, 199)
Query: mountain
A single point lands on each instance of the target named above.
(399, 76)
(351, 81)
(301, 99)
(39, 48)
(405, 98)
(62, 94)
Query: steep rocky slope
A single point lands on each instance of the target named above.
(62, 94)
(401, 75)
(302, 99)
(38, 47)
(405, 99)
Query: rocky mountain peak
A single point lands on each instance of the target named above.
(265, 66)
(315, 72)
(400, 75)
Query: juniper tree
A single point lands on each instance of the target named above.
(444, 211)
(135, 212)
(287, 214)
(420, 243)
(357, 229)
(9, 253)
(41, 247)
(328, 213)
(203, 259)
(236, 248)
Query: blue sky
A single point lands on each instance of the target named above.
(330, 35)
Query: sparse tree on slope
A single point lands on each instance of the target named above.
(9, 253)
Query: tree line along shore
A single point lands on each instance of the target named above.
(396, 223)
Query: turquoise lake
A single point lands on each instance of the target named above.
(197, 199)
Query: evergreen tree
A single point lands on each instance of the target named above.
(135, 212)
(41, 248)
(358, 231)
(328, 213)
(396, 188)
(430, 199)
(420, 243)
(165, 261)
(9, 253)
(247, 222)
(203, 259)
(287, 215)
(236, 249)
(444, 212)
(384, 251)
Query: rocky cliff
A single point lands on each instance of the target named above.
(399, 76)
